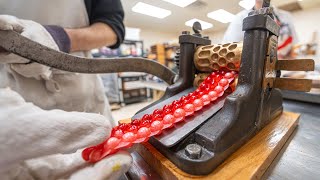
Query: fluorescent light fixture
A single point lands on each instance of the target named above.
(247, 4)
(221, 15)
(150, 10)
(180, 3)
(204, 25)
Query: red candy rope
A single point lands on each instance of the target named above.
(140, 130)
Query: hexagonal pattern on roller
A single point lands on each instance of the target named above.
(214, 57)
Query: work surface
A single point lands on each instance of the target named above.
(301, 159)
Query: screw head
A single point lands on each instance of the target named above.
(193, 151)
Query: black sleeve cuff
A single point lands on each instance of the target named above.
(119, 31)
(60, 37)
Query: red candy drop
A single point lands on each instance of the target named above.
(86, 153)
(205, 99)
(223, 82)
(129, 137)
(117, 133)
(133, 129)
(136, 122)
(198, 104)
(213, 95)
(143, 132)
(151, 124)
(218, 89)
(189, 109)
(95, 155)
(146, 116)
(124, 127)
(168, 120)
(157, 117)
(145, 123)
(179, 115)
(156, 127)
(167, 111)
(229, 75)
(142, 135)
(111, 143)
(157, 111)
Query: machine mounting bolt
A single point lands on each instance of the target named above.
(193, 151)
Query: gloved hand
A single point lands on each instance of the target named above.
(30, 139)
(52, 36)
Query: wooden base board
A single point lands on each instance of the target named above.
(248, 162)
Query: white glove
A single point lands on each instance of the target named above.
(35, 32)
(28, 132)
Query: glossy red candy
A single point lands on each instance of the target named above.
(146, 116)
(218, 89)
(229, 75)
(145, 123)
(200, 94)
(168, 106)
(129, 137)
(86, 153)
(95, 155)
(143, 132)
(140, 130)
(133, 129)
(203, 86)
(168, 120)
(136, 122)
(205, 99)
(179, 115)
(189, 109)
(124, 127)
(213, 95)
(157, 111)
(167, 111)
(157, 117)
(156, 127)
(198, 104)
(117, 133)
(223, 82)
(111, 143)
(142, 135)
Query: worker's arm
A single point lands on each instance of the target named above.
(94, 36)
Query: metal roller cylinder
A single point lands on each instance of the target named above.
(214, 57)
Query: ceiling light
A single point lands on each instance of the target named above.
(150, 10)
(180, 3)
(221, 15)
(204, 25)
(247, 4)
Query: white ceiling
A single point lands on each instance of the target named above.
(199, 9)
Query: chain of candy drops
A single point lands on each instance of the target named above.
(140, 130)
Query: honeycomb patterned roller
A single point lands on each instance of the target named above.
(214, 57)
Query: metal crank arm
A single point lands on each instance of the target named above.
(15, 43)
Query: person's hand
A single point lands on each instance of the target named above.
(31, 139)
(33, 31)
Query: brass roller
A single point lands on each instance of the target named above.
(228, 56)
(213, 57)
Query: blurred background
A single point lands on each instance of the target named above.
(153, 28)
